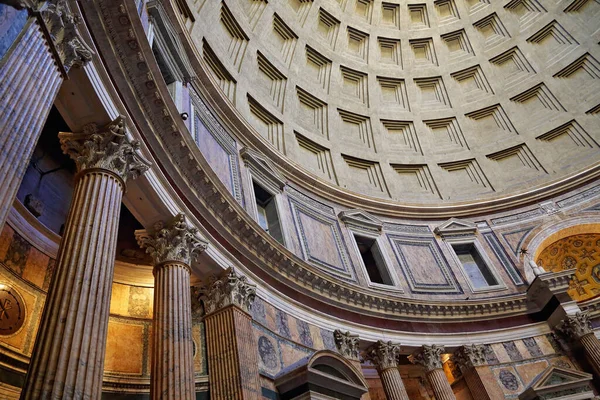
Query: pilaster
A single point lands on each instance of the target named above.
(347, 344)
(578, 329)
(172, 248)
(430, 358)
(384, 357)
(230, 342)
(68, 356)
(477, 374)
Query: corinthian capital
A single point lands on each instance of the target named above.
(61, 23)
(176, 242)
(575, 326)
(107, 148)
(383, 355)
(470, 356)
(228, 289)
(347, 344)
(428, 356)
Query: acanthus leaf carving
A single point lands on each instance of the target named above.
(230, 288)
(61, 23)
(470, 356)
(383, 355)
(177, 242)
(428, 356)
(347, 344)
(107, 148)
(575, 326)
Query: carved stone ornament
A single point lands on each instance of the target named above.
(230, 289)
(61, 24)
(347, 344)
(575, 326)
(383, 355)
(177, 242)
(470, 356)
(108, 148)
(428, 356)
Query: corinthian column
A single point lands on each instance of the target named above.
(579, 330)
(68, 356)
(30, 78)
(478, 376)
(230, 342)
(172, 248)
(430, 358)
(385, 358)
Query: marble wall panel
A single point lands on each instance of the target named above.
(125, 337)
(321, 240)
(423, 265)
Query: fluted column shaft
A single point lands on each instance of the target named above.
(392, 384)
(591, 347)
(172, 350)
(29, 83)
(482, 384)
(68, 357)
(440, 385)
(232, 355)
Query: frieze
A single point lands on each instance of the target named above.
(518, 217)
(406, 228)
(117, 22)
(309, 201)
(580, 197)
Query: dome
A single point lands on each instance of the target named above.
(243, 199)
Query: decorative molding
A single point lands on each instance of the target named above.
(506, 262)
(361, 219)
(108, 148)
(383, 355)
(456, 227)
(230, 289)
(176, 242)
(556, 382)
(428, 356)
(347, 344)
(263, 170)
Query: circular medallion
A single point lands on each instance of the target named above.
(12, 310)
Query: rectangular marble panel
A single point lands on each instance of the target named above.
(424, 267)
(321, 240)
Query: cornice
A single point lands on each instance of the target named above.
(120, 37)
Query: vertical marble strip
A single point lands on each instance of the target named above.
(440, 385)
(591, 346)
(29, 83)
(392, 384)
(68, 358)
(232, 356)
(172, 355)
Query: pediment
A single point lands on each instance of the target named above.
(262, 169)
(455, 226)
(557, 380)
(361, 219)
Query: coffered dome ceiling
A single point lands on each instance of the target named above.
(431, 102)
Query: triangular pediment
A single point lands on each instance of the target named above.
(455, 226)
(361, 219)
(262, 169)
(557, 380)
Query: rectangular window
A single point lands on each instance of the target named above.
(267, 216)
(373, 260)
(477, 270)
